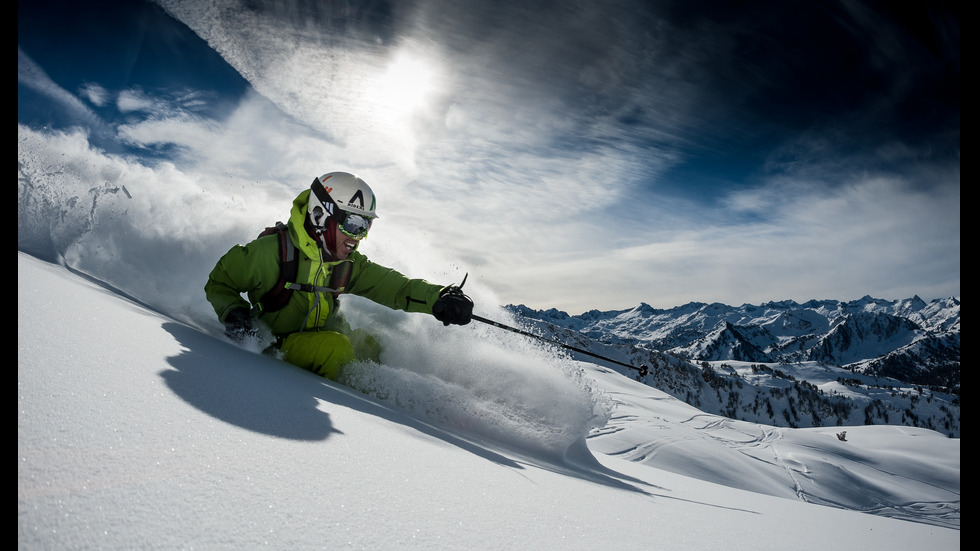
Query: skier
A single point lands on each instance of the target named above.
(326, 224)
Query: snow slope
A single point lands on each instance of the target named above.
(137, 431)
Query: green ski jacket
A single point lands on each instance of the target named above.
(253, 269)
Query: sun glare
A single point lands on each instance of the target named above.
(402, 89)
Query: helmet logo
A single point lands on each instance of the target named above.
(360, 199)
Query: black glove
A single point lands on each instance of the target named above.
(453, 307)
(238, 325)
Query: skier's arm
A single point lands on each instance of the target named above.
(391, 288)
(250, 269)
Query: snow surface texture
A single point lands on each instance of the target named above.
(139, 431)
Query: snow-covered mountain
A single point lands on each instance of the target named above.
(737, 361)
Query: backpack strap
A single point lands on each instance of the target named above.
(277, 297)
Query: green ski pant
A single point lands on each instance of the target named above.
(327, 352)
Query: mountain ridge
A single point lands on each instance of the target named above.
(812, 364)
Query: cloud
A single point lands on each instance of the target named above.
(95, 94)
(562, 165)
(31, 75)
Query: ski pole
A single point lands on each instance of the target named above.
(642, 369)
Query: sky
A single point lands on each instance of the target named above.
(139, 431)
(570, 155)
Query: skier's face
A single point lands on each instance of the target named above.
(345, 243)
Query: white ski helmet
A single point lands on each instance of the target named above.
(337, 194)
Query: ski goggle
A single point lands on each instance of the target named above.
(353, 225)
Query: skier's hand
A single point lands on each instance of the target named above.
(453, 307)
(238, 325)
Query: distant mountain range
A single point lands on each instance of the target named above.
(842, 353)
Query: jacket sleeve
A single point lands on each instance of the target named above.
(252, 269)
(390, 288)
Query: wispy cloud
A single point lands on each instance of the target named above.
(33, 76)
